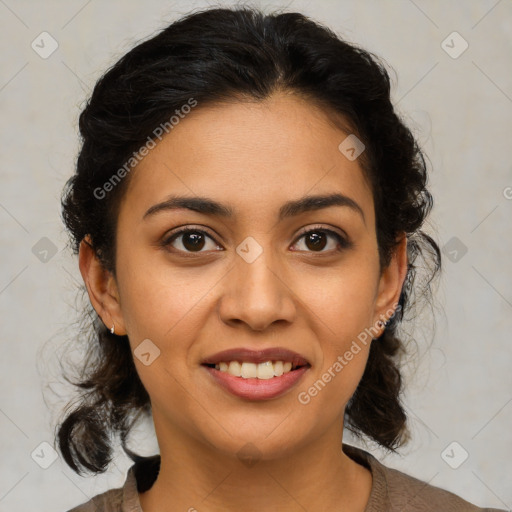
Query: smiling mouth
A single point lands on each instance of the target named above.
(262, 371)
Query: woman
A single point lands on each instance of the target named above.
(247, 210)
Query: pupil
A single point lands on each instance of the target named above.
(317, 239)
(197, 241)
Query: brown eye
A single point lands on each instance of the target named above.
(190, 240)
(315, 240)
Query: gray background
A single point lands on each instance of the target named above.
(459, 379)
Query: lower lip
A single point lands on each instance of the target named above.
(257, 389)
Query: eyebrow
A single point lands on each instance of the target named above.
(292, 208)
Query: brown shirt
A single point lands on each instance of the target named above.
(392, 490)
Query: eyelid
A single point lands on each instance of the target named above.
(320, 227)
(189, 227)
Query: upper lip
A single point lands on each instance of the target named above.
(257, 356)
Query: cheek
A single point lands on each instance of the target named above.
(159, 300)
(168, 306)
(342, 300)
(343, 303)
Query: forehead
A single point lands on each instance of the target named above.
(250, 155)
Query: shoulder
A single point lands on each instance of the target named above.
(139, 478)
(409, 493)
(394, 490)
(109, 501)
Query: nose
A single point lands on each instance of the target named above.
(257, 294)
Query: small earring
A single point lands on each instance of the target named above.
(380, 323)
(112, 329)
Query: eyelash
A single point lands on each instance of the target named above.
(343, 242)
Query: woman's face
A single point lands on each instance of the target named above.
(253, 280)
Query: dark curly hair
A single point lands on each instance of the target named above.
(237, 54)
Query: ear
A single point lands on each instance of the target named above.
(391, 282)
(101, 287)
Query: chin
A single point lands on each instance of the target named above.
(250, 442)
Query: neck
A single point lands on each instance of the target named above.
(315, 477)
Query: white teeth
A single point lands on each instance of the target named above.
(263, 371)
(278, 368)
(234, 368)
(249, 370)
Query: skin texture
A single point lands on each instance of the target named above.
(252, 156)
